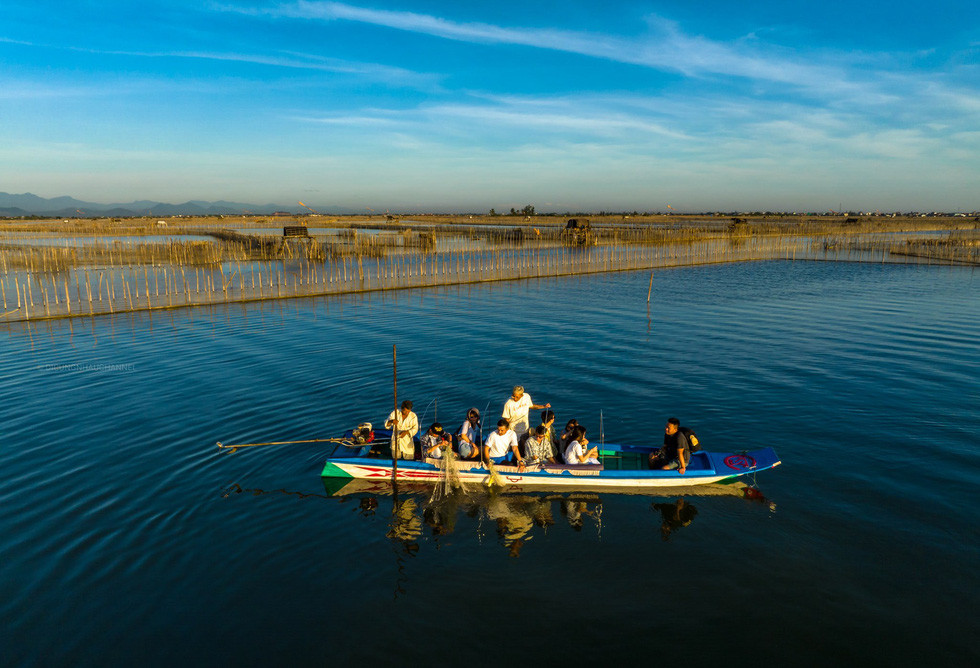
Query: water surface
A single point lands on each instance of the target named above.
(127, 536)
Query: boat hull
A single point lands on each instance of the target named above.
(706, 468)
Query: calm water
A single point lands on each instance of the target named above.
(127, 537)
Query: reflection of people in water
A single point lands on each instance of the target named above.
(406, 525)
(441, 517)
(574, 511)
(513, 516)
(513, 522)
(516, 517)
(674, 515)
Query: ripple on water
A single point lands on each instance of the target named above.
(116, 503)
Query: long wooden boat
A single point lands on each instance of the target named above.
(342, 487)
(621, 467)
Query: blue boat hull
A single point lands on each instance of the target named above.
(623, 466)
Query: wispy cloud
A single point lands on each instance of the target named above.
(388, 74)
(536, 117)
(676, 128)
(666, 47)
(362, 120)
(593, 124)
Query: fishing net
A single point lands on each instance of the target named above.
(494, 479)
(449, 481)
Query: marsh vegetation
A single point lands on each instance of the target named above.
(54, 269)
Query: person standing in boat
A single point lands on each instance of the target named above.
(516, 410)
(676, 452)
(501, 446)
(408, 425)
(576, 452)
(470, 435)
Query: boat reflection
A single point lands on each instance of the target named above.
(419, 516)
(514, 516)
(511, 517)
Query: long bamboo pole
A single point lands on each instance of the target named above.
(254, 445)
(394, 435)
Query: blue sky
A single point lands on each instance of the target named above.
(431, 105)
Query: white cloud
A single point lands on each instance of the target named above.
(598, 124)
(667, 48)
(388, 74)
(844, 77)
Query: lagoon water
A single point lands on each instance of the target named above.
(128, 538)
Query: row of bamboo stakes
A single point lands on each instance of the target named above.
(137, 278)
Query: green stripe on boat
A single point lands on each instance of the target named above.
(331, 470)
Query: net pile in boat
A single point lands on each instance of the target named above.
(449, 480)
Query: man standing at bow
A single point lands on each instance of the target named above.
(408, 425)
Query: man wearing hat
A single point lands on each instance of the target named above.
(434, 440)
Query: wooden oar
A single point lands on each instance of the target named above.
(254, 445)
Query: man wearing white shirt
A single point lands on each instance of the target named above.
(408, 426)
(516, 410)
(502, 442)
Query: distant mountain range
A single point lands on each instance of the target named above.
(28, 204)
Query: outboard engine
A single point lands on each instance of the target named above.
(364, 433)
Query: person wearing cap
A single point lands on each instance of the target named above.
(470, 435)
(408, 426)
(434, 440)
(516, 410)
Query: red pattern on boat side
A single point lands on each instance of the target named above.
(375, 472)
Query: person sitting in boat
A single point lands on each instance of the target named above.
(576, 452)
(676, 452)
(434, 441)
(501, 446)
(537, 448)
(470, 435)
(516, 410)
(567, 435)
(548, 422)
(407, 423)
